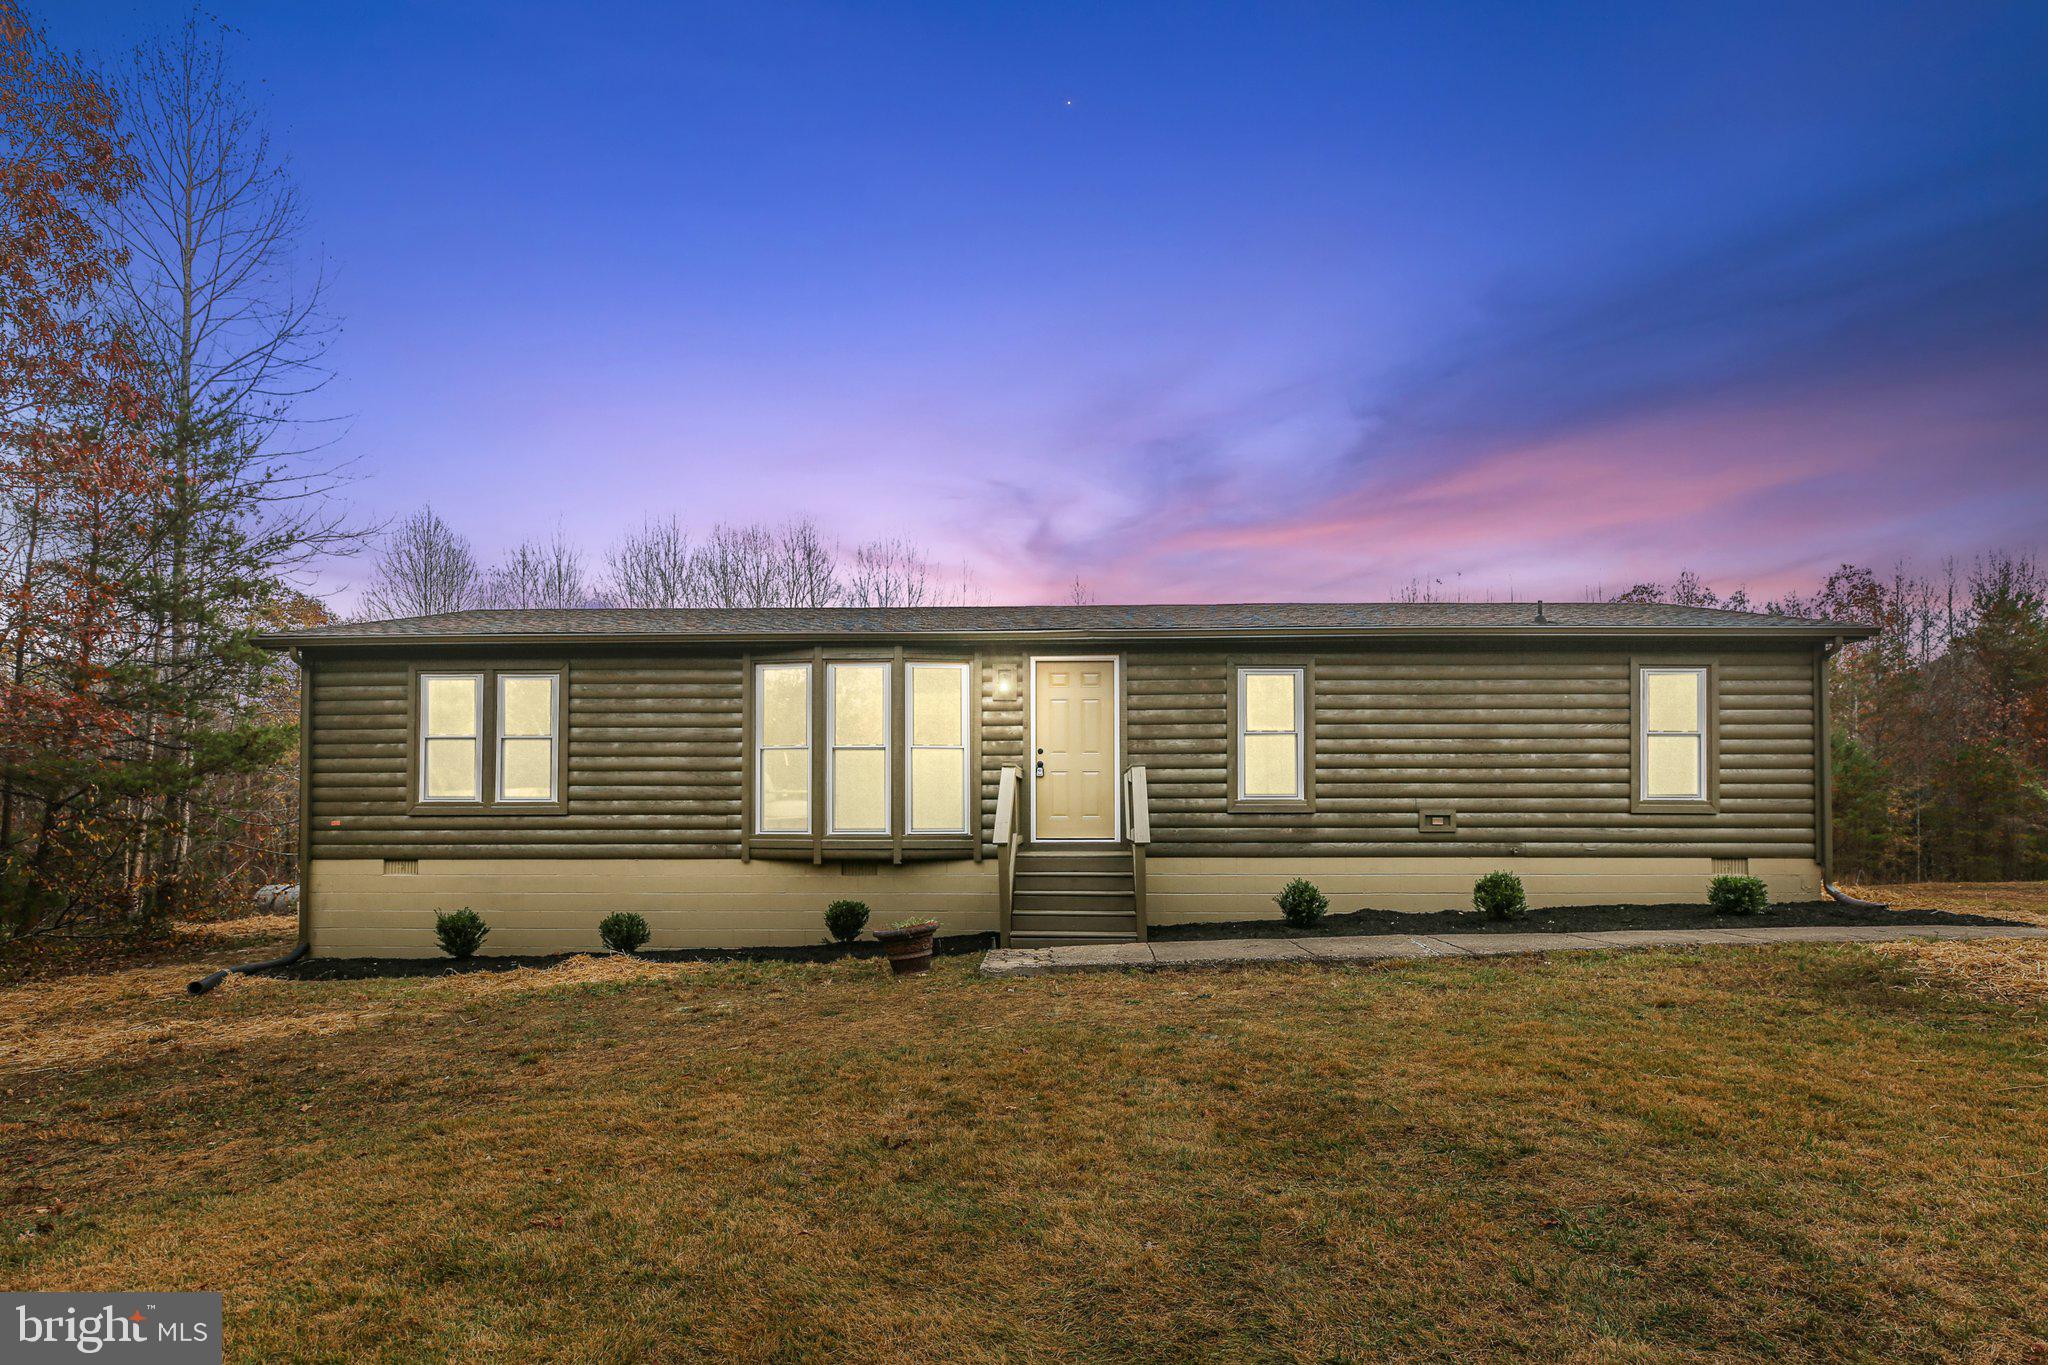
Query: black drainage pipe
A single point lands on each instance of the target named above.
(212, 979)
(1837, 894)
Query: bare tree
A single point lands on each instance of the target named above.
(1079, 594)
(652, 566)
(426, 568)
(890, 573)
(738, 566)
(808, 567)
(540, 573)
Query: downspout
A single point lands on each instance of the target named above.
(305, 845)
(1824, 752)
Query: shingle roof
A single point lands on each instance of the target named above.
(1250, 619)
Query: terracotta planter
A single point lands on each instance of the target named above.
(909, 950)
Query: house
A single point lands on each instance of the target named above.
(1052, 773)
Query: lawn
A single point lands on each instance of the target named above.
(1809, 1150)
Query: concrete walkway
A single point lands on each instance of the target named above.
(1235, 952)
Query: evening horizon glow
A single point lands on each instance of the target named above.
(1283, 302)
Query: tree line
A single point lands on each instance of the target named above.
(426, 567)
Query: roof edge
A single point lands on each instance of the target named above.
(1815, 631)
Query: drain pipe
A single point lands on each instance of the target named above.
(212, 979)
(1837, 894)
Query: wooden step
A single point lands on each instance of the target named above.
(1081, 921)
(1124, 902)
(1037, 880)
(1039, 858)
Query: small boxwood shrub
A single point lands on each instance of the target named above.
(1498, 895)
(1302, 903)
(623, 931)
(1739, 895)
(460, 932)
(845, 919)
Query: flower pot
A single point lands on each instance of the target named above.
(909, 950)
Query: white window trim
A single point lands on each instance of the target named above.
(553, 737)
(475, 736)
(1698, 734)
(762, 746)
(833, 746)
(1245, 731)
(910, 742)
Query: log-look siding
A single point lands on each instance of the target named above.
(654, 765)
(1530, 749)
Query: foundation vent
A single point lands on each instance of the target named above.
(401, 867)
(1731, 867)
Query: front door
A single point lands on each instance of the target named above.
(1074, 733)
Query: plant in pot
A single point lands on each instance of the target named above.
(908, 942)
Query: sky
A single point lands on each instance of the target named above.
(1189, 301)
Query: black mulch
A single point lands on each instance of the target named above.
(1567, 920)
(361, 968)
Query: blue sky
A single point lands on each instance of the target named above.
(1193, 301)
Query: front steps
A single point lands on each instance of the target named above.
(1067, 894)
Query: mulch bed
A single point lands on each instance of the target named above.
(1567, 919)
(363, 968)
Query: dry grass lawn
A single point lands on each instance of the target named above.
(1813, 1151)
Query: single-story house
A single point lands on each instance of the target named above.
(1055, 774)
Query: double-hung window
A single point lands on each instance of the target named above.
(489, 739)
(1673, 758)
(529, 718)
(782, 711)
(938, 748)
(857, 762)
(1271, 708)
(451, 736)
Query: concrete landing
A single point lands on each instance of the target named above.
(1236, 952)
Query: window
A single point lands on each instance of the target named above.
(891, 742)
(451, 729)
(529, 711)
(1673, 707)
(938, 748)
(1270, 705)
(782, 723)
(857, 759)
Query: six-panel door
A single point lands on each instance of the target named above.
(1074, 716)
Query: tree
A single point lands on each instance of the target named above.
(540, 573)
(426, 568)
(651, 566)
(77, 479)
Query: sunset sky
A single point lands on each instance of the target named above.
(1192, 301)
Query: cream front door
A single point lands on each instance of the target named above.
(1074, 732)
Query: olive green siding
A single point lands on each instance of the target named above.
(1529, 746)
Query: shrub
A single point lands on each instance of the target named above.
(845, 919)
(1301, 903)
(461, 932)
(1498, 895)
(1739, 895)
(623, 931)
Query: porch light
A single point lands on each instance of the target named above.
(1006, 682)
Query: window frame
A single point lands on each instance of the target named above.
(890, 729)
(1304, 670)
(423, 736)
(554, 735)
(755, 748)
(819, 843)
(487, 802)
(911, 746)
(1708, 801)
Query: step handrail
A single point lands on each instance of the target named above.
(1138, 824)
(1009, 791)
